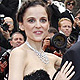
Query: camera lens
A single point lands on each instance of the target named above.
(59, 41)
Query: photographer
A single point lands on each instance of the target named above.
(9, 9)
(47, 47)
(17, 39)
(2, 50)
(65, 27)
(46, 41)
(6, 29)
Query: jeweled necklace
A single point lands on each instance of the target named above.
(43, 57)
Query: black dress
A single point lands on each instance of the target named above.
(38, 75)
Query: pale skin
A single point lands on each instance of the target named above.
(66, 27)
(23, 60)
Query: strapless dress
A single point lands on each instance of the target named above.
(38, 75)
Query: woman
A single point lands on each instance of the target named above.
(33, 17)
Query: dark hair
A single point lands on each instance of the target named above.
(67, 1)
(52, 30)
(27, 4)
(16, 33)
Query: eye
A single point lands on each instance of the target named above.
(16, 39)
(69, 26)
(64, 26)
(31, 20)
(20, 39)
(43, 20)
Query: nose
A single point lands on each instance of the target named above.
(67, 28)
(18, 40)
(38, 24)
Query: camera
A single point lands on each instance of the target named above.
(3, 24)
(59, 41)
(3, 58)
(73, 37)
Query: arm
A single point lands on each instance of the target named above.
(58, 62)
(16, 65)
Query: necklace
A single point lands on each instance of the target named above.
(43, 57)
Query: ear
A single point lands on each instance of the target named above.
(48, 25)
(59, 28)
(21, 27)
(11, 43)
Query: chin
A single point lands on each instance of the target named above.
(38, 40)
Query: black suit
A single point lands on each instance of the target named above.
(66, 14)
(54, 16)
(9, 9)
(73, 54)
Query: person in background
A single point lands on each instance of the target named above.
(73, 54)
(5, 32)
(16, 40)
(9, 9)
(65, 27)
(69, 4)
(2, 50)
(29, 57)
(77, 25)
(55, 14)
(47, 47)
(46, 41)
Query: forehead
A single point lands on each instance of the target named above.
(17, 36)
(71, 1)
(9, 19)
(66, 22)
(37, 10)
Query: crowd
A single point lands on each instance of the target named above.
(37, 41)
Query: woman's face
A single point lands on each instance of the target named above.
(35, 23)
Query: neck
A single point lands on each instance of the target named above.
(36, 45)
(37, 48)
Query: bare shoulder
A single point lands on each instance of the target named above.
(53, 57)
(50, 55)
(19, 52)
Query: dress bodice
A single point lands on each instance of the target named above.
(38, 75)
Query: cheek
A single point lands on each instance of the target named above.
(70, 29)
(46, 26)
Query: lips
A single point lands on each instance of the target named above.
(38, 32)
(18, 44)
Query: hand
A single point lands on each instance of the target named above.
(69, 44)
(46, 43)
(6, 34)
(65, 72)
(3, 66)
(76, 21)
